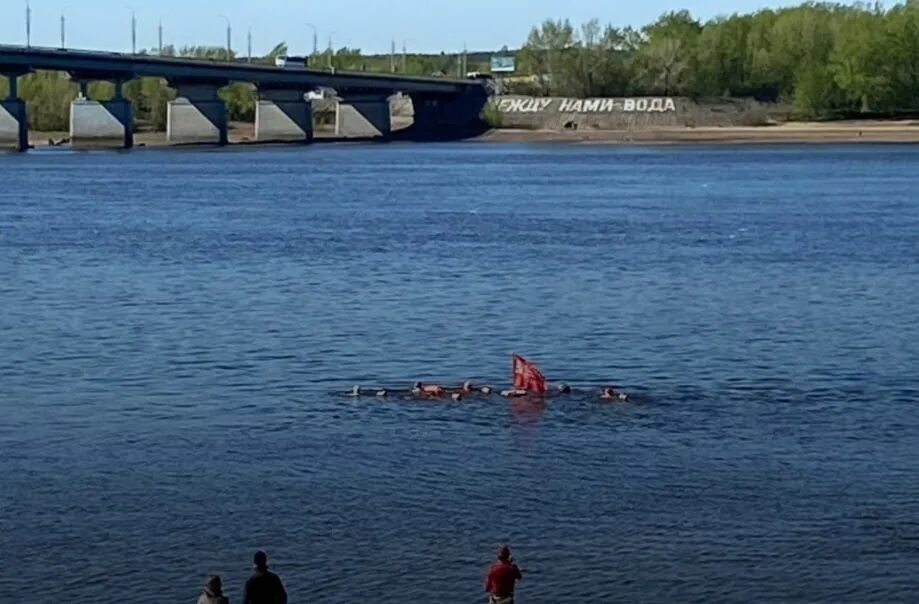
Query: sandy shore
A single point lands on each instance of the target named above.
(792, 132)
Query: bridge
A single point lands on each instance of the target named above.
(444, 108)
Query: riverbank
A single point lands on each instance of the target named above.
(859, 131)
(864, 131)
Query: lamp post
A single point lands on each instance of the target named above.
(315, 38)
(229, 38)
(331, 52)
(159, 38)
(249, 46)
(63, 31)
(133, 28)
(28, 25)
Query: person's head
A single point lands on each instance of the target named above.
(356, 390)
(260, 559)
(608, 391)
(564, 388)
(214, 586)
(486, 390)
(456, 396)
(504, 554)
(417, 386)
(467, 386)
(382, 393)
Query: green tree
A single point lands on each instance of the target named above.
(667, 58)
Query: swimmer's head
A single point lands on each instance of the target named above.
(356, 391)
(564, 388)
(382, 393)
(456, 396)
(417, 386)
(467, 386)
(486, 390)
(623, 396)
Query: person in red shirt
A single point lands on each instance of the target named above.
(502, 577)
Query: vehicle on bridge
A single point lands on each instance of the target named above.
(285, 62)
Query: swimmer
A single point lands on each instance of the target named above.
(564, 389)
(486, 390)
(610, 394)
(382, 393)
(467, 387)
(356, 391)
(432, 390)
(457, 396)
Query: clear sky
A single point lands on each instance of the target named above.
(425, 25)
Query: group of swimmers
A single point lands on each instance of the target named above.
(421, 390)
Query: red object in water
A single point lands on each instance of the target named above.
(527, 376)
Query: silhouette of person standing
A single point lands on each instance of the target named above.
(264, 587)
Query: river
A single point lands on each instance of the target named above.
(175, 327)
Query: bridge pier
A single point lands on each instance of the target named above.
(102, 123)
(447, 117)
(283, 115)
(198, 115)
(14, 123)
(364, 116)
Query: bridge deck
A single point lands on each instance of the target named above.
(113, 66)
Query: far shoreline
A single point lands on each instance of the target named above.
(857, 131)
(840, 132)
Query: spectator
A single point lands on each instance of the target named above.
(264, 587)
(213, 592)
(502, 578)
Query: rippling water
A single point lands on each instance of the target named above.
(173, 326)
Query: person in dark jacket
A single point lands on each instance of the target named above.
(264, 587)
(213, 592)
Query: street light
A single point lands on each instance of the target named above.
(63, 30)
(330, 50)
(229, 37)
(133, 29)
(249, 46)
(315, 38)
(159, 38)
(28, 25)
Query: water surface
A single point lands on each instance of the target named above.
(173, 325)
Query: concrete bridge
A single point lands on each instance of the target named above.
(444, 108)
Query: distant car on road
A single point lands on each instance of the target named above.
(488, 80)
(292, 62)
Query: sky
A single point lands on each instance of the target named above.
(371, 25)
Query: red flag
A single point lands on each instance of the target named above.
(527, 376)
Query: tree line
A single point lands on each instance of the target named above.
(825, 60)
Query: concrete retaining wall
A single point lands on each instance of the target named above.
(629, 113)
